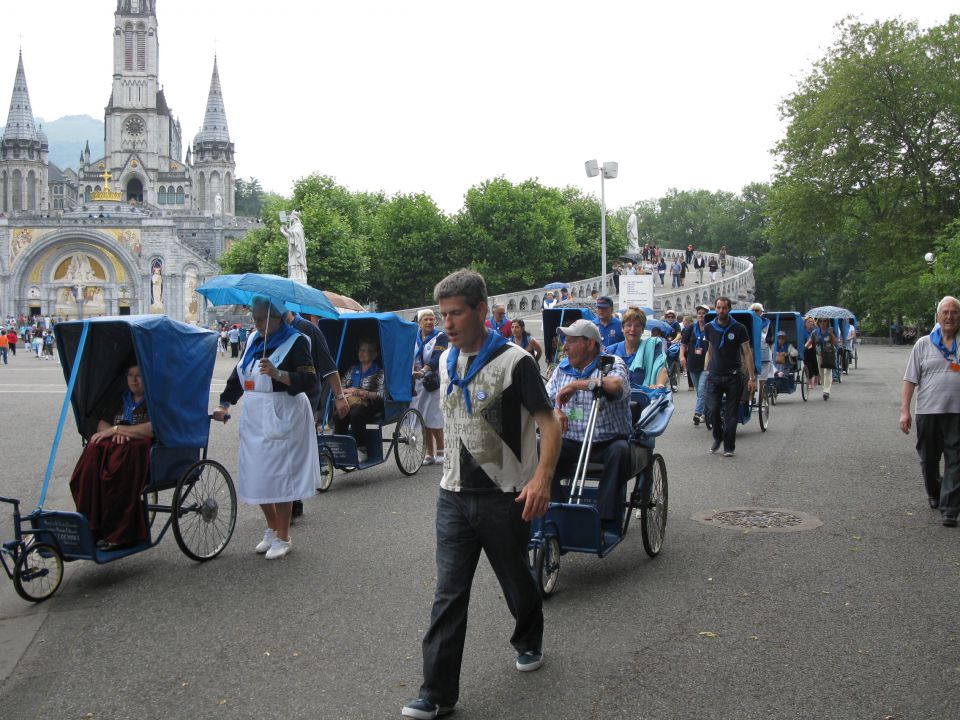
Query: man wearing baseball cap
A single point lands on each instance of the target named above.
(571, 390)
(611, 331)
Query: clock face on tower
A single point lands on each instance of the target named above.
(134, 126)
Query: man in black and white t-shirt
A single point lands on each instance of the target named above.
(493, 485)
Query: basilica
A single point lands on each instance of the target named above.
(135, 231)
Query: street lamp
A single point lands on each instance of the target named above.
(610, 170)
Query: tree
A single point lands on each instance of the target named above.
(248, 197)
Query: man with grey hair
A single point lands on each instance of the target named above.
(933, 371)
(493, 485)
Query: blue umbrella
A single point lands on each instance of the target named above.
(659, 325)
(241, 289)
(556, 286)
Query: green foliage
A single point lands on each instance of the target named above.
(248, 196)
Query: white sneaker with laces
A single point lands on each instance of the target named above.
(278, 548)
(267, 541)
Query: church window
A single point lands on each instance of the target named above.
(162, 196)
(201, 193)
(31, 191)
(141, 50)
(179, 194)
(128, 50)
(17, 194)
(86, 193)
(3, 191)
(134, 6)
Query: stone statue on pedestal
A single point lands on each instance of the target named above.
(633, 237)
(296, 248)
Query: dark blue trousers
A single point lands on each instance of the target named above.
(730, 388)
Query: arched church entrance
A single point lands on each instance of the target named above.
(135, 190)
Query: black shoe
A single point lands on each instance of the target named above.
(716, 445)
(297, 509)
(934, 502)
(696, 420)
(949, 521)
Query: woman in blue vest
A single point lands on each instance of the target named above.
(430, 344)
(520, 337)
(644, 358)
(279, 461)
(363, 386)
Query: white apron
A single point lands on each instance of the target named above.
(427, 403)
(279, 460)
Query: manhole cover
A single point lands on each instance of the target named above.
(757, 519)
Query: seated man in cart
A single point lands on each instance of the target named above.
(108, 481)
(784, 355)
(571, 391)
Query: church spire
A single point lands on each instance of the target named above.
(20, 124)
(215, 120)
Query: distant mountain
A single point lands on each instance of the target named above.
(69, 135)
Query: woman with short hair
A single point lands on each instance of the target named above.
(430, 344)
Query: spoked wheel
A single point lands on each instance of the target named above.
(546, 565)
(153, 497)
(38, 572)
(763, 408)
(326, 471)
(675, 377)
(803, 384)
(856, 357)
(653, 520)
(772, 392)
(410, 442)
(204, 510)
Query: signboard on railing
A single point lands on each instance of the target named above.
(636, 291)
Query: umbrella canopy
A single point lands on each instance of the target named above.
(556, 286)
(241, 289)
(659, 325)
(342, 302)
(577, 303)
(830, 312)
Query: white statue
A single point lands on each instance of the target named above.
(190, 297)
(296, 248)
(156, 282)
(633, 237)
(218, 205)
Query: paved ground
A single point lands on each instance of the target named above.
(855, 619)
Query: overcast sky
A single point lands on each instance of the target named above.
(438, 95)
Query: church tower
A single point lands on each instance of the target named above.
(142, 136)
(23, 154)
(214, 168)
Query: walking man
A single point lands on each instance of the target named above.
(699, 264)
(933, 371)
(728, 358)
(693, 351)
(493, 485)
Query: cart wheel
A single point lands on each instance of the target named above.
(763, 408)
(547, 565)
(772, 392)
(38, 572)
(204, 510)
(326, 471)
(675, 377)
(409, 442)
(856, 357)
(153, 497)
(653, 521)
(803, 384)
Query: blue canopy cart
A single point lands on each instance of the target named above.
(760, 399)
(786, 384)
(554, 319)
(396, 339)
(176, 363)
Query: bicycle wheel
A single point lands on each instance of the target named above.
(39, 572)
(410, 442)
(675, 377)
(653, 520)
(803, 383)
(204, 510)
(763, 410)
(326, 471)
(547, 565)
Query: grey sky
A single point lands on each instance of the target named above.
(436, 96)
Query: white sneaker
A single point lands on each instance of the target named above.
(438, 459)
(264, 545)
(278, 549)
(428, 459)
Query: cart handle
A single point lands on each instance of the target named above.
(63, 412)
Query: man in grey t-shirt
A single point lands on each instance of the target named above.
(934, 372)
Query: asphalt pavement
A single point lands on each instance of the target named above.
(856, 618)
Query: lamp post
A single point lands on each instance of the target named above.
(609, 172)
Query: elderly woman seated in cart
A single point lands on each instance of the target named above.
(363, 384)
(109, 478)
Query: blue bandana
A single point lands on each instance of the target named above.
(698, 334)
(129, 406)
(497, 326)
(357, 375)
(494, 342)
(936, 337)
(422, 341)
(722, 329)
(274, 341)
(579, 374)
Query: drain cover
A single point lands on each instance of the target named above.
(757, 519)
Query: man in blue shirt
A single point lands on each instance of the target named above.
(611, 330)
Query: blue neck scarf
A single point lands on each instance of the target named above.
(274, 341)
(698, 334)
(579, 374)
(130, 406)
(422, 342)
(498, 325)
(494, 342)
(936, 337)
(524, 341)
(722, 329)
(357, 374)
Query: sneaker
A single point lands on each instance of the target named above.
(529, 661)
(428, 459)
(728, 453)
(826, 396)
(267, 541)
(933, 502)
(949, 521)
(424, 710)
(715, 446)
(696, 420)
(438, 459)
(278, 548)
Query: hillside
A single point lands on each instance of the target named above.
(67, 137)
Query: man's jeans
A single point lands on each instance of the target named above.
(700, 275)
(3, 354)
(699, 378)
(676, 281)
(466, 524)
(939, 435)
(729, 386)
